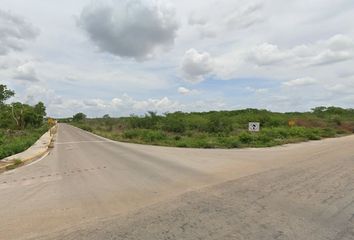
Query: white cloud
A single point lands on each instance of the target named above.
(305, 81)
(14, 32)
(163, 104)
(97, 103)
(330, 56)
(257, 90)
(195, 65)
(26, 72)
(117, 102)
(267, 54)
(340, 42)
(324, 52)
(35, 93)
(235, 16)
(183, 90)
(186, 91)
(129, 28)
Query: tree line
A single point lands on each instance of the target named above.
(17, 115)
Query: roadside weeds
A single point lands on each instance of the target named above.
(15, 163)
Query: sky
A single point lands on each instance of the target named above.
(122, 57)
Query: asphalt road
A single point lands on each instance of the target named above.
(92, 188)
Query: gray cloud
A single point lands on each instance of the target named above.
(245, 17)
(14, 31)
(129, 28)
(195, 20)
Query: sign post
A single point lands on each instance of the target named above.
(254, 126)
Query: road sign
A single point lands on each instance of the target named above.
(292, 123)
(253, 126)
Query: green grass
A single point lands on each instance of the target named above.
(15, 141)
(224, 129)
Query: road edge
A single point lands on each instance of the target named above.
(29, 159)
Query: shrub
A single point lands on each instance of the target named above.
(229, 142)
(328, 132)
(86, 128)
(172, 124)
(130, 134)
(264, 138)
(246, 138)
(153, 136)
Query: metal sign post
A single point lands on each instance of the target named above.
(254, 126)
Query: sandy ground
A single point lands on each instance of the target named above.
(93, 188)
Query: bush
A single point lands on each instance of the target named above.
(201, 143)
(246, 138)
(229, 142)
(153, 136)
(328, 132)
(171, 124)
(130, 134)
(86, 128)
(264, 138)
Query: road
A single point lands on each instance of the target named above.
(89, 187)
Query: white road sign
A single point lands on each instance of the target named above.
(253, 126)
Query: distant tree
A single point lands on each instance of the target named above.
(79, 117)
(39, 108)
(5, 94)
(319, 110)
(18, 115)
(106, 116)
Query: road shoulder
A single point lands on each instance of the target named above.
(36, 151)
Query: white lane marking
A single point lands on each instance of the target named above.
(77, 142)
(34, 162)
(10, 172)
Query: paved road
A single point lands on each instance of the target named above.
(93, 188)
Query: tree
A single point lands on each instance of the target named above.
(5, 93)
(18, 115)
(79, 117)
(39, 108)
(106, 116)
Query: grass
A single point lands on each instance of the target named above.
(14, 165)
(224, 129)
(15, 141)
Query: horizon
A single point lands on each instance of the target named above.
(209, 111)
(129, 57)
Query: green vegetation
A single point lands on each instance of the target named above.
(79, 117)
(20, 124)
(223, 129)
(14, 165)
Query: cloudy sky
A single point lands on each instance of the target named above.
(130, 56)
